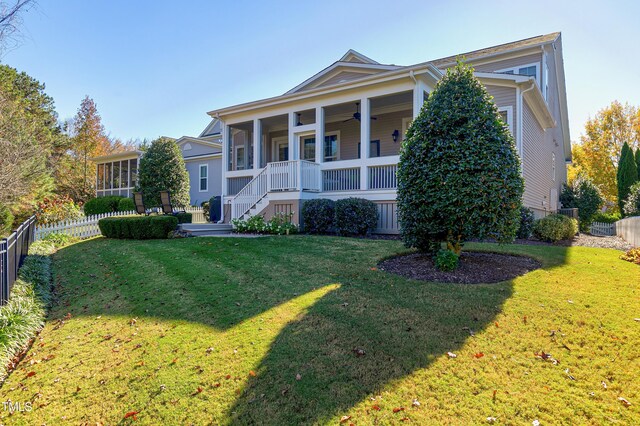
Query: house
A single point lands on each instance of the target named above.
(338, 133)
(116, 174)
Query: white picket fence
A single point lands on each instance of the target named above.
(602, 229)
(81, 228)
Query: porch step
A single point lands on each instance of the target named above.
(206, 229)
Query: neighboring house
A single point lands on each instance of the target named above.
(117, 174)
(274, 158)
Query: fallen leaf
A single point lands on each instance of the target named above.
(132, 414)
(175, 360)
(376, 407)
(451, 355)
(217, 385)
(344, 418)
(198, 390)
(495, 391)
(374, 269)
(624, 401)
(524, 319)
(209, 350)
(398, 409)
(415, 403)
(478, 355)
(252, 373)
(359, 352)
(228, 376)
(491, 419)
(404, 419)
(298, 376)
(535, 422)
(604, 384)
(497, 325)
(31, 373)
(133, 321)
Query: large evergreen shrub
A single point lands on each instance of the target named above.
(627, 175)
(318, 215)
(162, 169)
(585, 196)
(101, 205)
(459, 173)
(355, 216)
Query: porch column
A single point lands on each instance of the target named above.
(418, 97)
(257, 144)
(293, 151)
(365, 139)
(225, 158)
(319, 135)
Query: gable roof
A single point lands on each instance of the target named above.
(353, 56)
(212, 129)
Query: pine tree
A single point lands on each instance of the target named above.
(459, 172)
(627, 175)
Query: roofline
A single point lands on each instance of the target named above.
(562, 96)
(118, 155)
(202, 156)
(181, 140)
(426, 68)
(358, 55)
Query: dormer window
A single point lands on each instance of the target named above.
(529, 70)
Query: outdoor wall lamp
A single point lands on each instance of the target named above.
(395, 135)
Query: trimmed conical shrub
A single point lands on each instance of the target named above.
(459, 172)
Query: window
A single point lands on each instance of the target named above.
(240, 157)
(530, 70)
(186, 147)
(204, 175)
(553, 166)
(309, 148)
(124, 174)
(133, 172)
(374, 149)
(507, 116)
(331, 147)
(116, 174)
(100, 180)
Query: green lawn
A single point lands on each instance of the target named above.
(223, 330)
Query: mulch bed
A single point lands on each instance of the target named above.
(474, 268)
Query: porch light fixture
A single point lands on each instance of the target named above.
(395, 135)
(299, 123)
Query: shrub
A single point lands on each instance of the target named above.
(632, 256)
(355, 216)
(279, 224)
(102, 205)
(459, 172)
(60, 240)
(205, 210)
(626, 176)
(56, 209)
(555, 227)
(605, 217)
(138, 227)
(184, 217)
(24, 313)
(6, 220)
(526, 223)
(126, 205)
(162, 169)
(318, 215)
(585, 196)
(632, 205)
(446, 260)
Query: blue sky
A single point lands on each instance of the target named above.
(155, 67)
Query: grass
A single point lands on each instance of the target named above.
(263, 331)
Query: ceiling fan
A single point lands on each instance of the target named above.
(356, 115)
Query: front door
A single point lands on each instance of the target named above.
(281, 149)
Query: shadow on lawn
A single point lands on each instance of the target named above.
(400, 329)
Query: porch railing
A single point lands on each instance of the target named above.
(250, 195)
(341, 179)
(283, 175)
(383, 177)
(310, 173)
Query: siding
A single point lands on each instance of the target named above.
(198, 149)
(537, 170)
(214, 180)
(283, 206)
(509, 63)
(503, 97)
(342, 77)
(387, 218)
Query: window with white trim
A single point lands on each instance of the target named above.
(507, 116)
(530, 70)
(553, 166)
(204, 177)
(331, 147)
(240, 157)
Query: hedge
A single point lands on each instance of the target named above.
(184, 217)
(24, 314)
(108, 204)
(356, 216)
(138, 227)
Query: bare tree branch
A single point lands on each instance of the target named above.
(10, 22)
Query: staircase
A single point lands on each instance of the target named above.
(251, 199)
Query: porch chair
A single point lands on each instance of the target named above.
(139, 202)
(167, 207)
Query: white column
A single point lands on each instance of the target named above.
(418, 97)
(319, 135)
(293, 151)
(365, 139)
(257, 143)
(225, 159)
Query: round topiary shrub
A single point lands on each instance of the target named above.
(526, 223)
(459, 172)
(555, 227)
(126, 205)
(355, 216)
(318, 215)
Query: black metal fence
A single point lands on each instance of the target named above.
(13, 251)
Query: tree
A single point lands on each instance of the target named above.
(632, 205)
(596, 157)
(627, 175)
(162, 168)
(10, 21)
(31, 142)
(638, 161)
(459, 172)
(585, 196)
